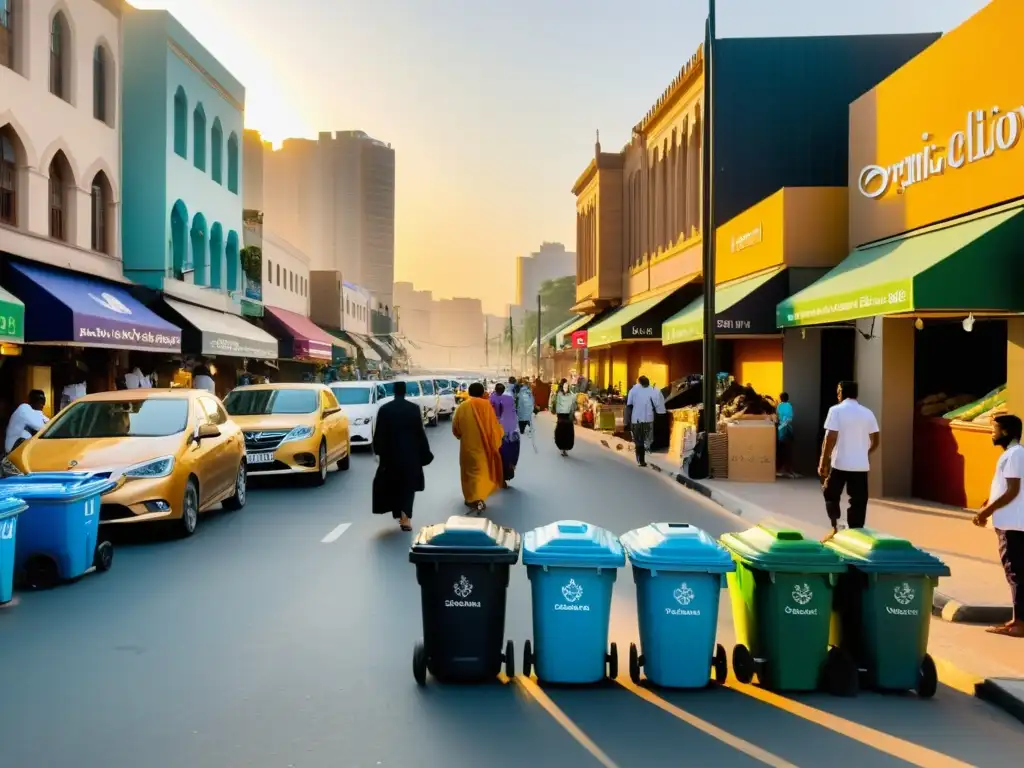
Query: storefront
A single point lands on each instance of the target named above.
(933, 283)
(304, 350)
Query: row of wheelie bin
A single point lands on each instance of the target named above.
(854, 611)
(49, 529)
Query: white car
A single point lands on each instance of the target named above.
(386, 393)
(359, 400)
(421, 390)
(446, 396)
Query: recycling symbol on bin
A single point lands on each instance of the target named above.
(463, 587)
(683, 594)
(572, 591)
(802, 594)
(904, 594)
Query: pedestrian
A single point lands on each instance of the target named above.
(202, 379)
(1005, 506)
(784, 428)
(851, 436)
(480, 436)
(401, 445)
(563, 405)
(524, 407)
(27, 419)
(505, 410)
(642, 402)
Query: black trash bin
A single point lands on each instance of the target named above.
(462, 567)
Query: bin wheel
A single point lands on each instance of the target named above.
(613, 662)
(41, 573)
(842, 677)
(720, 664)
(419, 664)
(927, 678)
(634, 664)
(510, 660)
(743, 664)
(104, 556)
(527, 658)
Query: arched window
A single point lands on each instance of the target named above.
(233, 163)
(199, 137)
(217, 151)
(60, 57)
(99, 83)
(216, 256)
(179, 239)
(8, 178)
(200, 256)
(61, 180)
(232, 261)
(102, 199)
(180, 123)
(7, 33)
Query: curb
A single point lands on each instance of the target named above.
(997, 691)
(949, 609)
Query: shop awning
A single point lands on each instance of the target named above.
(547, 337)
(969, 264)
(641, 320)
(574, 325)
(369, 351)
(209, 332)
(742, 307)
(301, 338)
(68, 308)
(12, 318)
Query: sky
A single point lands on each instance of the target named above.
(491, 106)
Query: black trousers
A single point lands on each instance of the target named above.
(856, 484)
(1011, 553)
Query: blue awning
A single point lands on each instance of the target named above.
(68, 308)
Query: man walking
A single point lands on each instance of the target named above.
(642, 403)
(402, 447)
(1005, 506)
(851, 436)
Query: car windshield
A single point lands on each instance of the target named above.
(158, 417)
(388, 387)
(352, 395)
(265, 402)
(428, 387)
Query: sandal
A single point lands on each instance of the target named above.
(405, 527)
(1008, 630)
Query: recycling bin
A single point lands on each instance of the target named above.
(462, 567)
(679, 572)
(882, 609)
(58, 533)
(572, 568)
(10, 509)
(781, 595)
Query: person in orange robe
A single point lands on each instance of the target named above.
(479, 434)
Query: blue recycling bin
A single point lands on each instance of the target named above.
(572, 568)
(679, 572)
(10, 509)
(57, 534)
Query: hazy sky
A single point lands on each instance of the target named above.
(491, 106)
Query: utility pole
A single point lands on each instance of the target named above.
(511, 346)
(487, 345)
(538, 336)
(709, 384)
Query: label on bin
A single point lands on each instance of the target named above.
(462, 588)
(904, 595)
(802, 595)
(7, 529)
(572, 592)
(684, 596)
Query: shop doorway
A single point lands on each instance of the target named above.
(837, 364)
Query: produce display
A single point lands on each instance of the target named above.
(965, 408)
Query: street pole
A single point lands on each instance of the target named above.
(487, 345)
(511, 346)
(709, 385)
(538, 336)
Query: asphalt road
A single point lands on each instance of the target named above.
(276, 639)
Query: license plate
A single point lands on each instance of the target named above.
(260, 458)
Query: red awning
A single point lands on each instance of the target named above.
(308, 342)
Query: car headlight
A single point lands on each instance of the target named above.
(161, 467)
(298, 433)
(361, 422)
(7, 468)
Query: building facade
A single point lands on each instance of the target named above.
(183, 172)
(549, 263)
(285, 274)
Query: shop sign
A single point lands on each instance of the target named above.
(747, 240)
(733, 325)
(234, 346)
(887, 298)
(579, 340)
(986, 133)
(635, 331)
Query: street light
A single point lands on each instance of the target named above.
(709, 385)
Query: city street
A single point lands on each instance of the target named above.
(281, 636)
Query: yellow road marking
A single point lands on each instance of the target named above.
(538, 695)
(714, 731)
(958, 679)
(899, 748)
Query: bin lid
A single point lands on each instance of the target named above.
(56, 486)
(465, 538)
(676, 547)
(770, 547)
(570, 543)
(11, 506)
(872, 551)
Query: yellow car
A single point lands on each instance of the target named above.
(291, 429)
(174, 453)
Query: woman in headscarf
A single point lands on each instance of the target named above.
(505, 409)
(563, 405)
(480, 435)
(524, 406)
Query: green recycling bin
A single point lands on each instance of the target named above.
(781, 594)
(882, 609)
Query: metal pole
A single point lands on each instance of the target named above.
(487, 345)
(511, 346)
(708, 226)
(538, 336)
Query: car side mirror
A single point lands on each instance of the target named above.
(331, 411)
(206, 431)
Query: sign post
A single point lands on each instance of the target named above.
(708, 225)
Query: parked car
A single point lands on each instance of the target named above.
(359, 400)
(175, 453)
(386, 393)
(421, 390)
(291, 429)
(446, 396)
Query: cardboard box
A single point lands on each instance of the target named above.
(752, 451)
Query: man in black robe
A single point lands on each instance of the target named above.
(400, 443)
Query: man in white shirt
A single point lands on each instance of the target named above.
(851, 436)
(1005, 506)
(642, 402)
(27, 419)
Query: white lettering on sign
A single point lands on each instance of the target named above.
(7, 529)
(901, 611)
(648, 331)
(802, 611)
(681, 612)
(566, 607)
(985, 133)
(746, 240)
(733, 325)
(461, 604)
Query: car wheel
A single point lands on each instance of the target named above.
(189, 509)
(433, 421)
(346, 460)
(237, 500)
(321, 465)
